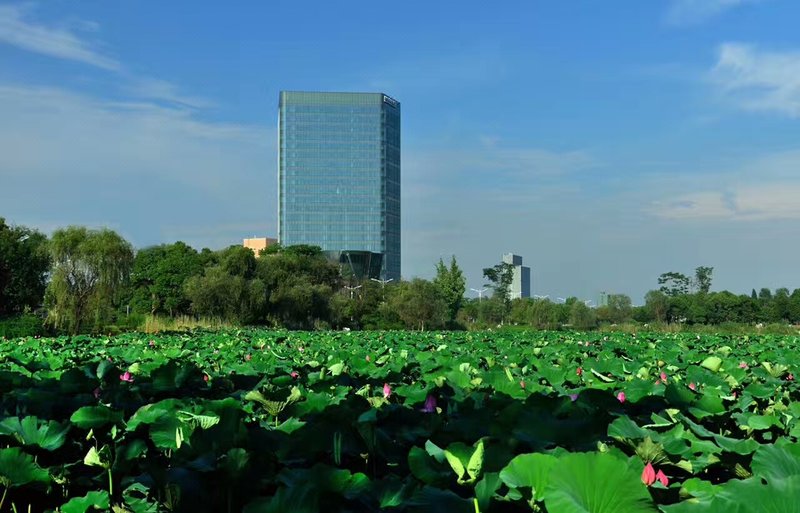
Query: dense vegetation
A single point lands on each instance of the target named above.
(261, 421)
(92, 281)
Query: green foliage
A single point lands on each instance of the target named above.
(27, 325)
(90, 268)
(702, 279)
(451, 284)
(581, 317)
(500, 277)
(158, 276)
(674, 283)
(419, 304)
(24, 262)
(597, 483)
(515, 426)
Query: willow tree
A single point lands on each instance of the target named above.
(90, 268)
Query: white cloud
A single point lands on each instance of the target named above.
(690, 12)
(759, 80)
(162, 90)
(17, 29)
(753, 202)
(161, 172)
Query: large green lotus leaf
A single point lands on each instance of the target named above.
(30, 431)
(759, 390)
(430, 499)
(624, 428)
(93, 417)
(679, 395)
(91, 501)
(780, 496)
(150, 413)
(486, 488)
(529, 470)
(425, 468)
(638, 389)
(708, 405)
(712, 363)
(170, 376)
(18, 468)
(777, 461)
(169, 432)
(137, 499)
(392, 492)
(597, 483)
(762, 422)
(297, 499)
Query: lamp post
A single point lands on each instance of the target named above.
(351, 289)
(480, 293)
(383, 283)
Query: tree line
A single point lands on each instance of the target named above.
(86, 280)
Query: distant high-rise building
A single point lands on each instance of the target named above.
(521, 282)
(339, 173)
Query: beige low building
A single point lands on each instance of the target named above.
(258, 243)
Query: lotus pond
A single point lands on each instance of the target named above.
(269, 421)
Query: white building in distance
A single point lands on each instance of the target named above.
(521, 283)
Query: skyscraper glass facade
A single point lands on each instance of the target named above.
(339, 173)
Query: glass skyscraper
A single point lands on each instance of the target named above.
(339, 173)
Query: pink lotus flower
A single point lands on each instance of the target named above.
(658, 382)
(693, 386)
(579, 371)
(790, 377)
(660, 476)
(387, 391)
(248, 357)
(663, 376)
(573, 397)
(206, 378)
(126, 377)
(734, 395)
(430, 405)
(621, 397)
(648, 474)
(294, 374)
(742, 365)
(522, 383)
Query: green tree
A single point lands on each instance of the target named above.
(581, 316)
(90, 269)
(657, 303)
(544, 314)
(451, 285)
(299, 282)
(24, 262)
(619, 308)
(702, 279)
(674, 284)
(500, 277)
(221, 295)
(419, 304)
(158, 277)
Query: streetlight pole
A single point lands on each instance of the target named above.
(383, 283)
(480, 293)
(351, 289)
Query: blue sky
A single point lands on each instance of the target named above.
(605, 142)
